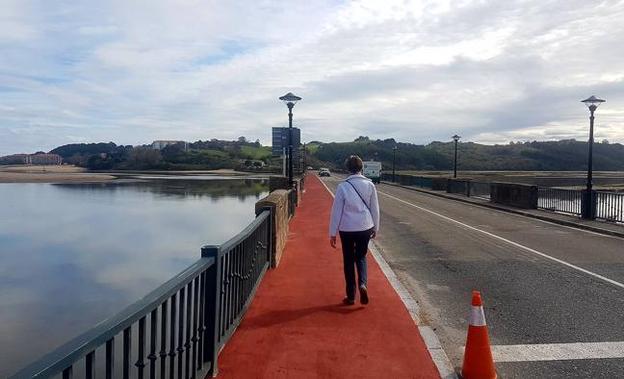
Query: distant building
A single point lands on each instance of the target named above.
(14, 159)
(45, 159)
(35, 159)
(253, 163)
(161, 144)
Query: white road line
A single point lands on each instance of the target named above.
(598, 276)
(558, 351)
(440, 359)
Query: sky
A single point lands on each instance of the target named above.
(136, 71)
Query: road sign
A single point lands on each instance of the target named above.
(280, 141)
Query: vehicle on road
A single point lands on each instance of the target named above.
(324, 172)
(372, 170)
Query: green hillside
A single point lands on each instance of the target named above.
(566, 155)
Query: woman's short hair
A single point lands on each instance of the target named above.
(354, 164)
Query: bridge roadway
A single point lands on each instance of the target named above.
(555, 293)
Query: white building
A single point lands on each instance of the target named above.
(161, 144)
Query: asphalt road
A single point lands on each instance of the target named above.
(544, 285)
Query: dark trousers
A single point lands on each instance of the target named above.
(354, 248)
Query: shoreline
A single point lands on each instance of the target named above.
(50, 174)
(74, 174)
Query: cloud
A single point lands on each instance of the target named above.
(413, 70)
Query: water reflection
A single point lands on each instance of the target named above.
(74, 254)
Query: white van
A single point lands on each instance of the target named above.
(372, 170)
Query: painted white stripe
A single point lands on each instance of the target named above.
(558, 352)
(438, 355)
(598, 276)
(477, 317)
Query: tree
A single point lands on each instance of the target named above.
(172, 151)
(144, 157)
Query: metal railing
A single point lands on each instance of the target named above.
(180, 327)
(559, 200)
(461, 187)
(421, 181)
(408, 180)
(610, 206)
(480, 189)
(241, 263)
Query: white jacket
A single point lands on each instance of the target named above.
(349, 214)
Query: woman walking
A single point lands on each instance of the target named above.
(355, 215)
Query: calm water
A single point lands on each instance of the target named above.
(71, 255)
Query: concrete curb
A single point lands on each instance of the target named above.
(514, 211)
(438, 355)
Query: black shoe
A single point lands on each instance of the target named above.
(347, 301)
(363, 295)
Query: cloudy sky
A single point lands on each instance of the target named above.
(135, 71)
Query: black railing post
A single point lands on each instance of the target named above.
(588, 204)
(110, 358)
(212, 309)
(394, 149)
(271, 237)
(270, 231)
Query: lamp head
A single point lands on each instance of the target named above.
(456, 138)
(592, 102)
(290, 99)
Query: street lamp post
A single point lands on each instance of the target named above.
(588, 208)
(290, 100)
(394, 149)
(456, 139)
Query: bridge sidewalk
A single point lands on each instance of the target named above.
(296, 327)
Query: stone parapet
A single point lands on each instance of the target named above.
(439, 184)
(277, 203)
(458, 186)
(516, 195)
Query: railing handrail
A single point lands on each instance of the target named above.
(245, 232)
(81, 345)
(559, 189)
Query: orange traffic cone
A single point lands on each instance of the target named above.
(478, 362)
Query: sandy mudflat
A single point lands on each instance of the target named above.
(49, 174)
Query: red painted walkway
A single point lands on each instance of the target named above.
(297, 327)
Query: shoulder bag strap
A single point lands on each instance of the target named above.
(361, 198)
